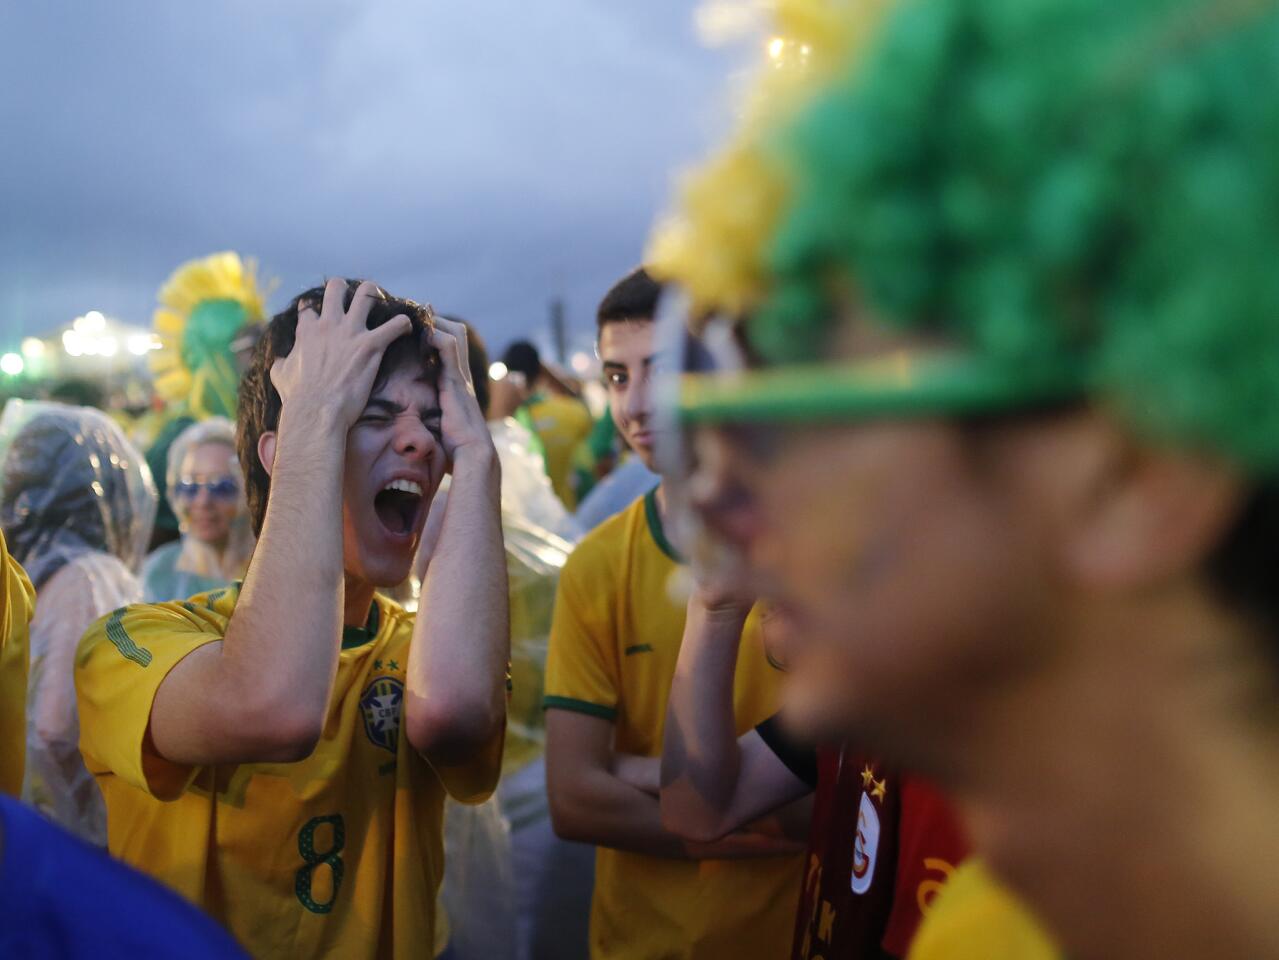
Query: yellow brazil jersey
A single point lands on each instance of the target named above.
(562, 424)
(338, 855)
(975, 917)
(614, 641)
(17, 603)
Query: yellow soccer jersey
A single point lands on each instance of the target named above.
(17, 603)
(562, 423)
(976, 918)
(338, 855)
(614, 641)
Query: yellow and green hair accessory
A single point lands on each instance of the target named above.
(715, 242)
(203, 304)
(1082, 186)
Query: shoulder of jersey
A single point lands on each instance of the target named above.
(607, 538)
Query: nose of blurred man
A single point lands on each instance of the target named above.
(720, 495)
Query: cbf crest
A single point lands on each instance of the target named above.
(381, 704)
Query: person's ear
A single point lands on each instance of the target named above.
(266, 451)
(1141, 514)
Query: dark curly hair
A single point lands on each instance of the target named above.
(259, 406)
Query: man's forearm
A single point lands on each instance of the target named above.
(461, 641)
(604, 810)
(288, 621)
(700, 755)
(261, 694)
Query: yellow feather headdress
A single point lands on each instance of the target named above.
(203, 304)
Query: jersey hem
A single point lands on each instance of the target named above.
(579, 706)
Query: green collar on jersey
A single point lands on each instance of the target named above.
(655, 527)
(359, 636)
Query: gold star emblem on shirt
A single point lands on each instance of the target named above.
(868, 776)
(881, 788)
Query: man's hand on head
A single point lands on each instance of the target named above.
(463, 425)
(335, 358)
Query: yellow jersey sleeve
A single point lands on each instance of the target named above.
(121, 663)
(582, 671)
(975, 917)
(17, 604)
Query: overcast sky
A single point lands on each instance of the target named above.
(484, 155)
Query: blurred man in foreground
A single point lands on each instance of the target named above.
(1004, 437)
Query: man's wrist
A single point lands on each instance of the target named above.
(478, 459)
(719, 614)
(318, 423)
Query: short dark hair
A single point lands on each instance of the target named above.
(522, 357)
(634, 297)
(259, 407)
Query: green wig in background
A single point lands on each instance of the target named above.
(204, 306)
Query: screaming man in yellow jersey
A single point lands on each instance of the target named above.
(349, 859)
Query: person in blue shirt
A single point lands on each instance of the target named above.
(61, 899)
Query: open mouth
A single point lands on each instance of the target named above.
(398, 505)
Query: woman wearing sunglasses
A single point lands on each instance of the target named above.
(208, 498)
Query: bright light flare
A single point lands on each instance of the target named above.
(12, 364)
(91, 323)
(140, 344)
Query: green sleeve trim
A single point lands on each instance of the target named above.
(579, 706)
(125, 643)
(655, 526)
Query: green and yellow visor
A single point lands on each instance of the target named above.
(706, 381)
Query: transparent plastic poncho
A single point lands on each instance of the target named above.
(478, 894)
(77, 505)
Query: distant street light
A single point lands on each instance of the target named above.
(12, 364)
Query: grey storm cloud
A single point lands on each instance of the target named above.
(484, 156)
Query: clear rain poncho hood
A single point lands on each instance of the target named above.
(71, 482)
